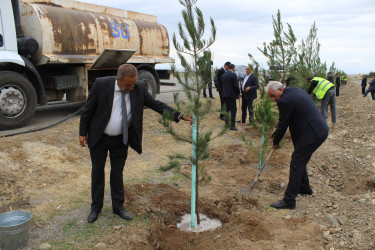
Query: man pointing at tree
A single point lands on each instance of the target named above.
(111, 121)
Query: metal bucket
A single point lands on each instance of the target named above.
(14, 229)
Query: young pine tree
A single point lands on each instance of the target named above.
(281, 51)
(193, 79)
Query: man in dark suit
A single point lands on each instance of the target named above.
(219, 86)
(308, 130)
(231, 92)
(249, 93)
(364, 84)
(338, 83)
(371, 89)
(104, 130)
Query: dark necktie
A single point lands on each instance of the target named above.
(124, 118)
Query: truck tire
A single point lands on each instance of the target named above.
(17, 100)
(148, 78)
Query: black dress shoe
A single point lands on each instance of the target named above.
(234, 128)
(123, 214)
(212, 97)
(281, 204)
(308, 192)
(93, 216)
(222, 118)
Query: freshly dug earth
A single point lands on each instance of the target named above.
(48, 174)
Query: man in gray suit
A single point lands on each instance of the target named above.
(249, 93)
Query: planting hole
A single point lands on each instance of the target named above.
(206, 224)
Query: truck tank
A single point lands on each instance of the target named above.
(75, 32)
(61, 46)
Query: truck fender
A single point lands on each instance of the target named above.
(32, 72)
(11, 57)
(36, 80)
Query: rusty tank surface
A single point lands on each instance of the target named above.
(54, 50)
(75, 32)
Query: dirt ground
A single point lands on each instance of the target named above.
(48, 174)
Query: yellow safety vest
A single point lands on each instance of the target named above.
(322, 87)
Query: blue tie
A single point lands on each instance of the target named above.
(124, 118)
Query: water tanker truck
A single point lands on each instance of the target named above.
(52, 50)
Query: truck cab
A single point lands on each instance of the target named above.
(53, 50)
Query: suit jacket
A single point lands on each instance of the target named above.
(372, 86)
(231, 89)
(220, 73)
(252, 93)
(97, 111)
(338, 81)
(364, 82)
(298, 111)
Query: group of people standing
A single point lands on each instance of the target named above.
(230, 89)
(338, 81)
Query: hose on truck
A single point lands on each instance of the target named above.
(43, 128)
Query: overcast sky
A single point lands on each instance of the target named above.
(346, 28)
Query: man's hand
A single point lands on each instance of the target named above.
(247, 89)
(187, 118)
(83, 141)
(276, 146)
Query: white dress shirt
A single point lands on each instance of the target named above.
(114, 126)
(245, 80)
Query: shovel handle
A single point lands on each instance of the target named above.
(252, 185)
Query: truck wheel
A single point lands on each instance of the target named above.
(17, 100)
(148, 78)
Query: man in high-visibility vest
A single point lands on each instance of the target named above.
(325, 91)
(345, 79)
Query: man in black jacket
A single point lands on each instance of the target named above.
(249, 93)
(231, 92)
(111, 121)
(371, 89)
(219, 86)
(338, 83)
(308, 130)
(364, 84)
